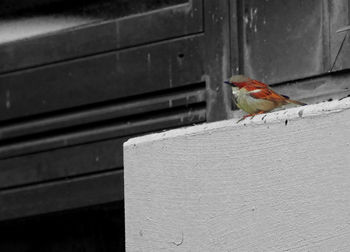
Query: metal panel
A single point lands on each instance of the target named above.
(101, 78)
(282, 39)
(80, 153)
(62, 195)
(217, 58)
(171, 22)
(340, 42)
(110, 110)
(69, 107)
(113, 129)
(63, 163)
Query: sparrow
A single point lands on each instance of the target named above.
(255, 97)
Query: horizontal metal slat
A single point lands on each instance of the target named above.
(101, 78)
(62, 195)
(144, 124)
(62, 163)
(110, 110)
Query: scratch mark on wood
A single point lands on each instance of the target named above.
(180, 242)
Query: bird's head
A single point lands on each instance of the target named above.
(237, 81)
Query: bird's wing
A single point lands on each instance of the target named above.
(258, 84)
(267, 94)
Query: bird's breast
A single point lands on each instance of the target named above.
(250, 104)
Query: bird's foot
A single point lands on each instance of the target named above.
(244, 117)
(251, 116)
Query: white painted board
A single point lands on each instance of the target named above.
(278, 182)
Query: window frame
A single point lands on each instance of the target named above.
(137, 29)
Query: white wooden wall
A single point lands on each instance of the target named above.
(279, 182)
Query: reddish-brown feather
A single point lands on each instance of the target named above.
(259, 84)
(250, 82)
(264, 93)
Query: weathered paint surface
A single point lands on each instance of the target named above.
(278, 182)
(283, 40)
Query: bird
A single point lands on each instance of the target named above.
(255, 97)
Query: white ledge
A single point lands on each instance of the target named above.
(277, 182)
(280, 116)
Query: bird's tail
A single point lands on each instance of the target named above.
(296, 102)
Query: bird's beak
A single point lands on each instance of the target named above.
(228, 83)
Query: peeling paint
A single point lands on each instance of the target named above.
(251, 19)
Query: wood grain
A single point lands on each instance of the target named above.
(279, 182)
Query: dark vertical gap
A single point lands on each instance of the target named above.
(240, 35)
(348, 12)
(232, 26)
(230, 30)
(203, 13)
(327, 36)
